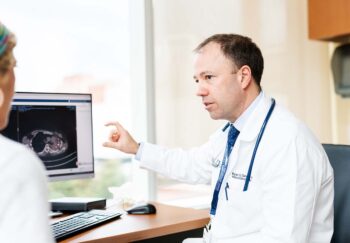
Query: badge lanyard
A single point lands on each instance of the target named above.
(231, 139)
(262, 129)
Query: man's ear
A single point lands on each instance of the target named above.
(246, 77)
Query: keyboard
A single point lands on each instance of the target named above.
(79, 222)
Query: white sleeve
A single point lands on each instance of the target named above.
(191, 166)
(26, 215)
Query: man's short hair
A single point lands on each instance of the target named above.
(241, 50)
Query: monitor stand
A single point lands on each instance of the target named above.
(77, 204)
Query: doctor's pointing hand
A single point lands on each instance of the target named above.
(120, 139)
(271, 179)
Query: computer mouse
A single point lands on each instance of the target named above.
(145, 208)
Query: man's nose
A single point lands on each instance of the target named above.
(202, 90)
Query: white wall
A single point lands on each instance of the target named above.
(296, 69)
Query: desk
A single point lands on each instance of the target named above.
(167, 220)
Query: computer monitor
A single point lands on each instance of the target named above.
(58, 128)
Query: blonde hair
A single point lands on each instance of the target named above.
(7, 59)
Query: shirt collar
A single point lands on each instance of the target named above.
(242, 119)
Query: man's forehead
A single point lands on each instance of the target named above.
(210, 48)
(210, 57)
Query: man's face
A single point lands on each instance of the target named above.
(219, 83)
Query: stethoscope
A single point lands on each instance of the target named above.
(262, 129)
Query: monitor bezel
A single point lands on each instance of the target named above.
(68, 176)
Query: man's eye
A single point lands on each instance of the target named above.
(208, 77)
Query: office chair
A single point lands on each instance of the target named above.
(339, 157)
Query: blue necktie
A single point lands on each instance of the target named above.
(231, 139)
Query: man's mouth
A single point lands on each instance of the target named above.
(207, 105)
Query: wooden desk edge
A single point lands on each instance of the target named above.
(157, 229)
(156, 232)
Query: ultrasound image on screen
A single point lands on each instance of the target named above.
(50, 131)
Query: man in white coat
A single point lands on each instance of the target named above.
(272, 181)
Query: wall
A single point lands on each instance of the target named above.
(296, 70)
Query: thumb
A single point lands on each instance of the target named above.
(110, 145)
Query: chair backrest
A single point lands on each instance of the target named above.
(339, 157)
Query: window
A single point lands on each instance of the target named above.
(79, 46)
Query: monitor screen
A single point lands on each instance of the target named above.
(58, 128)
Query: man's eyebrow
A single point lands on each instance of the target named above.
(201, 74)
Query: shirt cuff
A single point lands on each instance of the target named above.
(139, 152)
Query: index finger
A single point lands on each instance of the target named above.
(111, 123)
(116, 124)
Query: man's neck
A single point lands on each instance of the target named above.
(251, 96)
(241, 120)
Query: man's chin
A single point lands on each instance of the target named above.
(214, 116)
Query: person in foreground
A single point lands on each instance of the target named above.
(272, 181)
(23, 205)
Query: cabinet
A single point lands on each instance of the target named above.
(329, 20)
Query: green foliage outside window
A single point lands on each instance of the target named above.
(108, 173)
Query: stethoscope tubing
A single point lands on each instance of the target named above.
(226, 158)
(267, 118)
(261, 132)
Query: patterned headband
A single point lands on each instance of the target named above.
(4, 36)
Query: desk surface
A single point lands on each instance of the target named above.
(167, 220)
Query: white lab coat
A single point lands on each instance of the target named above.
(290, 195)
(23, 200)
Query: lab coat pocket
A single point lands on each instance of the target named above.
(244, 207)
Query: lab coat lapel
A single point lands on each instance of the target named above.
(249, 133)
(253, 125)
